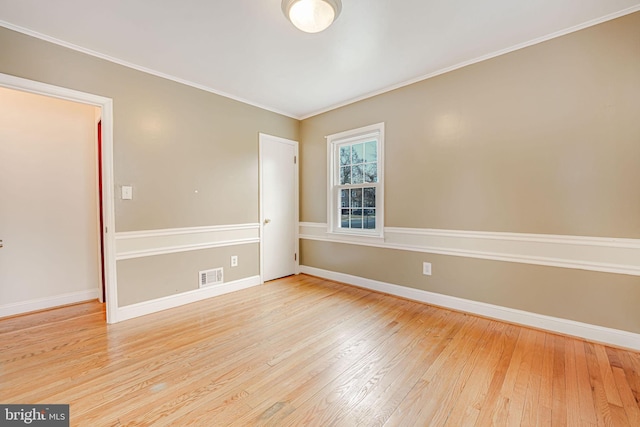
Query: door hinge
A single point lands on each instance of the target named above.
(295, 257)
(295, 159)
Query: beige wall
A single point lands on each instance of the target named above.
(48, 198)
(170, 140)
(541, 140)
(175, 273)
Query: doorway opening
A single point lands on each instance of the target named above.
(107, 229)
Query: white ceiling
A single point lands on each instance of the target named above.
(247, 50)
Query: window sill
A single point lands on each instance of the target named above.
(355, 237)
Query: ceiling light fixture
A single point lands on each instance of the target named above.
(311, 16)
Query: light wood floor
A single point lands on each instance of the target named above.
(303, 351)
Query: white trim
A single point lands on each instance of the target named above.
(131, 65)
(47, 302)
(261, 138)
(613, 242)
(320, 232)
(172, 301)
(548, 323)
(108, 212)
(364, 132)
(136, 244)
(183, 248)
(185, 230)
(603, 254)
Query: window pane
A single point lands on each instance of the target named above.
(356, 198)
(371, 151)
(369, 198)
(357, 153)
(357, 174)
(369, 219)
(345, 175)
(356, 218)
(371, 172)
(345, 155)
(344, 218)
(344, 198)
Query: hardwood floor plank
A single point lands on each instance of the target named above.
(631, 366)
(559, 382)
(520, 384)
(532, 413)
(628, 401)
(304, 351)
(493, 399)
(585, 393)
(473, 396)
(606, 373)
(572, 385)
(606, 413)
(546, 380)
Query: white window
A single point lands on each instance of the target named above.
(356, 181)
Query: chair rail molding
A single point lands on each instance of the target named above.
(136, 244)
(603, 254)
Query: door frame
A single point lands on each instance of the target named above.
(263, 138)
(108, 212)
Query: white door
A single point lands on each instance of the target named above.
(279, 206)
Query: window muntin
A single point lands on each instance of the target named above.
(355, 187)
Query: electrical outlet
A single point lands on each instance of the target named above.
(234, 260)
(426, 268)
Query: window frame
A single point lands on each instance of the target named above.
(334, 142)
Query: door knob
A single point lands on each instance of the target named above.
(267, 220)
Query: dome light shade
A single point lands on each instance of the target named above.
(311, 16)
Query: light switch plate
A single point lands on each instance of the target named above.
(127, 192)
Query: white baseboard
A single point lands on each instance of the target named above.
(48, 302)
(172, 301)
(553, 324)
